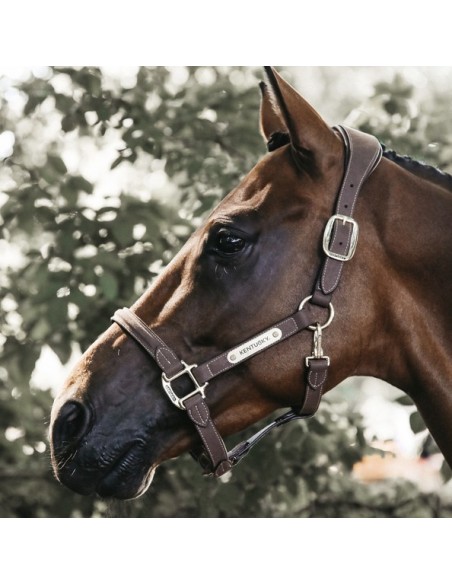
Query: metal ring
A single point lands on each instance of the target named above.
(330, 317)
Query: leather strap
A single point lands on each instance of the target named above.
(172, 365)
(316, 376)
(363, 153)
(241, 450)
(199, 414)
(149, 341)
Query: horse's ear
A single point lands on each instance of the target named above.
(309, 133)
(270, 118)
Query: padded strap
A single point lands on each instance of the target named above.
(149, 341)
(364, 154)
(316, 375)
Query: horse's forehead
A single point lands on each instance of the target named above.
(275, 173)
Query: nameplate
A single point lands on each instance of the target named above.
(255, 345)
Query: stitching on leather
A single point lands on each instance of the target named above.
(197, 420)
(364, 177)
(227, 366)
(147, 332)
(346, 180)
(203, 421)
(220, 440)
(290, 331)
(324, 284)
(203, 436)
(206, 444)
(333, 287)
(316, 384)
(312, 383)
(159, 354)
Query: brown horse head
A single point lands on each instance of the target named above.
(251, 263)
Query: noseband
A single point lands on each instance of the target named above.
(362, 155)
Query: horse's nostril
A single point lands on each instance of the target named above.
(71, 425)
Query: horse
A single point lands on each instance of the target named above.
(236, 326)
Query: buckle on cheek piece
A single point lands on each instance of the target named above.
(179, 402)
(353, 238)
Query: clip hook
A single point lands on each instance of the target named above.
(317, 349)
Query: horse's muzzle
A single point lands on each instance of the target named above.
(87, 464)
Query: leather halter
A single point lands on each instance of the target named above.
(362, 155)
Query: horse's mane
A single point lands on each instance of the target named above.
(420, 169)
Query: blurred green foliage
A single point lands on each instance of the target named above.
(81, 251)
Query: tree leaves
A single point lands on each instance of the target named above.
(109, 285)
(404, 400)
(122, 232)
(417, 423)
(57, 163)
(79, 183)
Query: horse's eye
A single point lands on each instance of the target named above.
(228, 243)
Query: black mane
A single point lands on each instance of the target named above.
(421, 169)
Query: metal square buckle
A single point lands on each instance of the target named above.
(309, 359)
(179, 401)
(342, 257)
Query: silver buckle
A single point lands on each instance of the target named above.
(342, 257)
(179, 401)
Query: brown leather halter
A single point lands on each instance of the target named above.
(362, 155)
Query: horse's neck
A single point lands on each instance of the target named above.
(413, 225)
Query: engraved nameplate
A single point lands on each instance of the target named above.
(255, 345)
